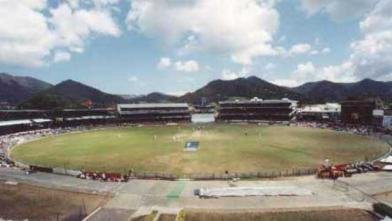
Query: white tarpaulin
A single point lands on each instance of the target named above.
(387, 159)
(387, 168)
(59, 170)
(254, 191)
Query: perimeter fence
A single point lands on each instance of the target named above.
(225, 176)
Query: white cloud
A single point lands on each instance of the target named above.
(338, 73)
(31, 32)
(34, 4)
(300, 49)
(228, 74)
(72, 27)
(240, 29)
(105, 2)
(177, 93)
(61, 56)
(282, 38)
(76, 4)
(164, 63)
(317, 41)
(285, 82)
(338, 9)
(372, 55)
(133, 79)
(181, 66)
(320, 51)
(187, 66)
(304, 72)
(25, 37)
(308, 72)
(326, 50)
(269, 66)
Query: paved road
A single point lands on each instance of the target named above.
(58, 181)
(371, 183)
(139, 197)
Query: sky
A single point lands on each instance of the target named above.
(177, 46)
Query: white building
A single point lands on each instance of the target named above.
(387, 122)
(326, 111)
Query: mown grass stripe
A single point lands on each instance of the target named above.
(176, 191)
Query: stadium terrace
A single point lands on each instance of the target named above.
(351, 112)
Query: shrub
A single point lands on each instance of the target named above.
(383, 209)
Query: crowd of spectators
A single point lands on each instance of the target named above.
(107, 177)
(354, 129)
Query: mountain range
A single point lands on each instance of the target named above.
(15, 89)
(27, 92)
(70, 94)
(250, 87)
(153, 98)
(327, 91)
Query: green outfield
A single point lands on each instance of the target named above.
(235, 148)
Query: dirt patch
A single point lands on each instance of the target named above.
(279, 215)
(167, 217)
(149, 217)
(385, 197)
(24, 201)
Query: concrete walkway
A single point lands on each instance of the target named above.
(141, 196)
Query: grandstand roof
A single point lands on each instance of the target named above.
(63, 110)
(152, 105)
(21, 122)
(14, 122)
(257, 101)
(89, 117)
(89, 109)
(41, 120)
(22, 111)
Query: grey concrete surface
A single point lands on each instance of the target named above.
(146, 195)
(106, 214)
(58, 181)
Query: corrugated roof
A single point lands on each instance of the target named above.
(23, 111)
(41, 120)
(152, 105)
(14, 122)
(257, 101)
(90, 117)
(20, 122)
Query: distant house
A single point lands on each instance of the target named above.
(364, 112)
(87, 103)
(387, 119)
(256, 110)
(4, 105)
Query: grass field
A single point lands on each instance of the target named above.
(236, 148)
(319, 214)
(329, 214)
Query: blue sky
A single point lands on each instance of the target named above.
(173, 46)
